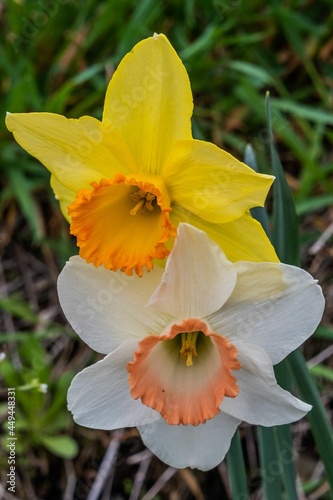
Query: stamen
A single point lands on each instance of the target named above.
(189, 347)
(144, 199)
(139, 207)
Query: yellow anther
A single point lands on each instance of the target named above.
(149, 200)
(144, 201)
(189, 349)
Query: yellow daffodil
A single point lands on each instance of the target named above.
(126, 182)
(190, 349)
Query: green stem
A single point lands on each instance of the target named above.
(320, 426)
(236, 469)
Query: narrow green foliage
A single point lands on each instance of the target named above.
(41, 415)
(286, 242)
(259, 213)
(285, 234)
(278, 473)
(21, 190)
(268, 453)
(62, 446)
(322, 371)
(18, 308)
(320, 425)
(324, 332)
(286, 460)
(316, 203)
(236, 468)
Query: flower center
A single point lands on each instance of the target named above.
(189, 347)
(144, 201)
(108, 234)
(161, 379)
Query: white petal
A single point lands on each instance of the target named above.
(105, 307)
(198, 278)
(260, 400)
(99, 396)
(275, 306)
(201, 447)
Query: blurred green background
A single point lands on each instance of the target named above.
(58, 56)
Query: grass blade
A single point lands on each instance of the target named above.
(320, 425)
(258, 213)
(268, 453)
(236, 469)
(285, 234)
(286, 242)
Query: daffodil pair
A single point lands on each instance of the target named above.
(190, 349)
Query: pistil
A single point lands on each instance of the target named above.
(144, 201)
(189, 347)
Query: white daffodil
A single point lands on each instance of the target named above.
(190, 349)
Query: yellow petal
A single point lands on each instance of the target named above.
(241, 239)
(149, 102)
(76, 152)
(114, 229)
(63, 195)
(212, 183)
